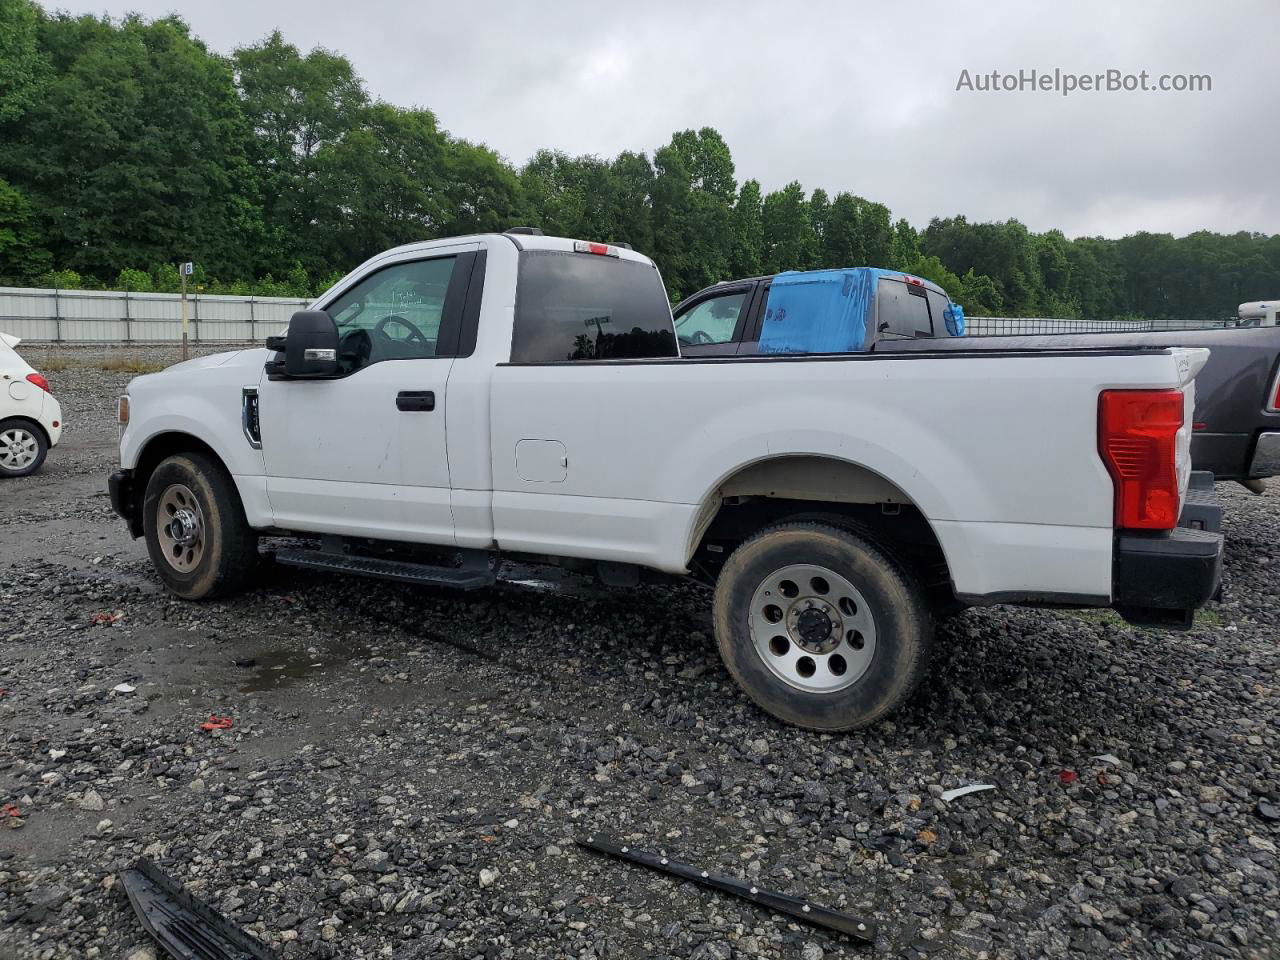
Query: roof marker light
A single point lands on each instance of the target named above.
(599, 249)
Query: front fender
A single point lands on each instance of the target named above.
(205, 422)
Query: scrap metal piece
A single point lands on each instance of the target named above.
(186, 928)
(949, 795)
(796, 907)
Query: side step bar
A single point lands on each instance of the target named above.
(460, 578)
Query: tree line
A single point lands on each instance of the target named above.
(127, 145)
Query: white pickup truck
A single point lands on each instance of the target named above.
(454, 402)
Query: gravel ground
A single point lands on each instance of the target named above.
(407, 768)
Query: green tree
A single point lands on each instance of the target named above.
(379, 186)
(482, 192)
(747, 253)
(23, 68)
(297, 106)
(21, 256)
(692, 211)
(842, 240)
(132, 153)
(789, 240)
(906, 247)
(135, 281)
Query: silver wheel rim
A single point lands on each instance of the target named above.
(18, 448)
(812, 628)
(180, 527)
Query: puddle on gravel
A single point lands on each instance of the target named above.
(275, 668)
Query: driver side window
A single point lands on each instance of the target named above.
(393, 314)
(711, 321)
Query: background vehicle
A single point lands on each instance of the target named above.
(1259, 313)
(30, 416)
(1236, 428)
(453, 402)
(814, 311)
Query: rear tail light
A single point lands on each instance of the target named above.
(39, 381)
(1138, 440)
(599, 249)
(1274, 403)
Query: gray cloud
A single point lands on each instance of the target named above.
(845, 96)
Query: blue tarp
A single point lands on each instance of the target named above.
(828, 311)
(818, 311)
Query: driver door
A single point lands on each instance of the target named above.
(364, 454)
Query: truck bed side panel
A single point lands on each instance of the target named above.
(1231, 390)
(998, 451)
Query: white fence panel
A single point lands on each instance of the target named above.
(107, 316)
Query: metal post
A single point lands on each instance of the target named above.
(128, 320)
(195, 315)
(186, 354)
(57, 317)
(253, 322)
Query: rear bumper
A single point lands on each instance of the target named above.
(1161, 579)
(51, 419)
(124, 500)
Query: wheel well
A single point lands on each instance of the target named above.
(31, 422)
(819, 488)
(157, 449)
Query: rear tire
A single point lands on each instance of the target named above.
(23, 447)
(196, 532)
(820, 627)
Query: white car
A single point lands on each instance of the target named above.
(30, 416)
(453, 402)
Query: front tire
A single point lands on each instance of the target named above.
(23, 447)
(821, 627)
(197, 535)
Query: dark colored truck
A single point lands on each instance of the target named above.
(1237, 415)
(815, 311)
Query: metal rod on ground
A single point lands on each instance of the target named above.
(796, 907)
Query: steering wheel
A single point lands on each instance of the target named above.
(414, 332)
(701, 338)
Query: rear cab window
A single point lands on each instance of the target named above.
(581, 306)
(902, 309)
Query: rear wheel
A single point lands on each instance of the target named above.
(821, 627)
(197, 535)
(23, 448)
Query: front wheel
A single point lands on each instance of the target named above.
(820, 627)
(197, 535)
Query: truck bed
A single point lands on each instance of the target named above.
(1232, 391)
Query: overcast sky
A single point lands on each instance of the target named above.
(843, 95)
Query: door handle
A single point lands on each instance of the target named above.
(411, 400)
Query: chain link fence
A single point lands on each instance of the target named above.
(1030, 326)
